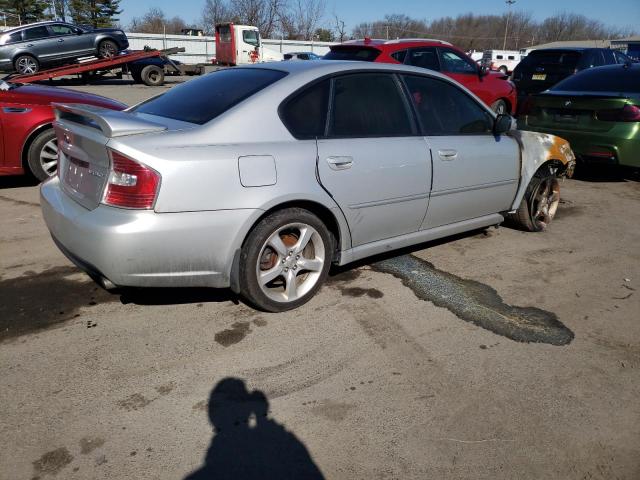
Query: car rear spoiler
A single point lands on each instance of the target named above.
(113, 123)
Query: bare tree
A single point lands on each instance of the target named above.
(155, 21)
(214, 12)
(340, 28)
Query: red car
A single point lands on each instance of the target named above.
(491, 87)
(27, 139)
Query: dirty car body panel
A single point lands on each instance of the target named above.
(219, 170)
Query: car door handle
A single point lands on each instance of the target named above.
(340, 163)
(61, 40)
(448, 155)
(29, 45)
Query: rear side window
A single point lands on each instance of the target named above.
(305, 115)
(592, 58)
(35, 33)
(424, 58)
(204, 98)
(224, 32)
(609, 58)
(606, 79)
(352, 53)
(368, 105)
(552, 59)
(444, 109)
(13, 38)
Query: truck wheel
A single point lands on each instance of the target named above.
(42, 156)
(503, 69)
(285, 260)
(26, 65)
(107, 49)
(152, 75)
(499, 107)
(540, 202)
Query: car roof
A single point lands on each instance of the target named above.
(398, 41)
(328, 67)
(34, 24)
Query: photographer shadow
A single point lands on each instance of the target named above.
(247, 444)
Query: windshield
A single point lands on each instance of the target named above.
(352, 53)
(204, 98)
(607, 79)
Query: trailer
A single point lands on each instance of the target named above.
(128, 63)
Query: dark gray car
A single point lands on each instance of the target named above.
(28, 48)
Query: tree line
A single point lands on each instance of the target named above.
(96, 13)
(309, 19)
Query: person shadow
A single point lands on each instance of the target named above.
(247, 444)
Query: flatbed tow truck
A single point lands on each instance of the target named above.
(151, 74)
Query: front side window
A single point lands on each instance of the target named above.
(35, 33)
(368, 105)
(454, 62)
(620, 57)
(425, 57)
(13, 38)
(444, 109)
(251, 37)
(62, 30)
(305, 115)
(609, 58)
(204, 98)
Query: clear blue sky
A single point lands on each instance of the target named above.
(621, 13)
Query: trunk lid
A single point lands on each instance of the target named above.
(571, 111)
(83, 132)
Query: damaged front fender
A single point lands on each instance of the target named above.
(536, 150)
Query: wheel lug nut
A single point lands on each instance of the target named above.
(283, 260)
(297, 257)
(295, 267)
(286, 269)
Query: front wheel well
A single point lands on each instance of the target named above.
(556, 166)
(24, 154)
(322, 212)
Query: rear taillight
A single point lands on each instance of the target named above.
(629, 113)
(131, 184)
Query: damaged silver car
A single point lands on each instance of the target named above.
(259, 178)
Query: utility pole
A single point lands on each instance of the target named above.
(506, 27)
(387, 32)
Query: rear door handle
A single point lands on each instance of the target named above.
(61, 40)
(30, 45)
(340, 163)
(448, 155)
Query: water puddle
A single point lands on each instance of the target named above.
(476, 302)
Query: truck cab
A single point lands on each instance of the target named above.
(240, 45)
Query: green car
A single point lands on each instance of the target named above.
(596, 110)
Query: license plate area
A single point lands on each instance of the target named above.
(82, 179)
(539, 76)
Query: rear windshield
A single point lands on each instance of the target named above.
(204, 98)
(607, 79)
(352, 53)
(560, 59)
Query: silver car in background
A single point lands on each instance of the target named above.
(27, 48)
(259, 178)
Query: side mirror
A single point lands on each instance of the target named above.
(79, 31)
(502, 124)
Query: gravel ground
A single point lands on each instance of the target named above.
(497, 354)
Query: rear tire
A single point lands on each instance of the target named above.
(152, 76)
(285, 260)
(26, 65)
(107, 49)
(503, 69)
(539, 204)
(42, 156)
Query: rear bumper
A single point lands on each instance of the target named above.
(590, 147)
(135, 248)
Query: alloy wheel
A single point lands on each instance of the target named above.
(26, 66)
(545, 201)
(49, 157)
(290, 262)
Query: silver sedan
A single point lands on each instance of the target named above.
(259, 178)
